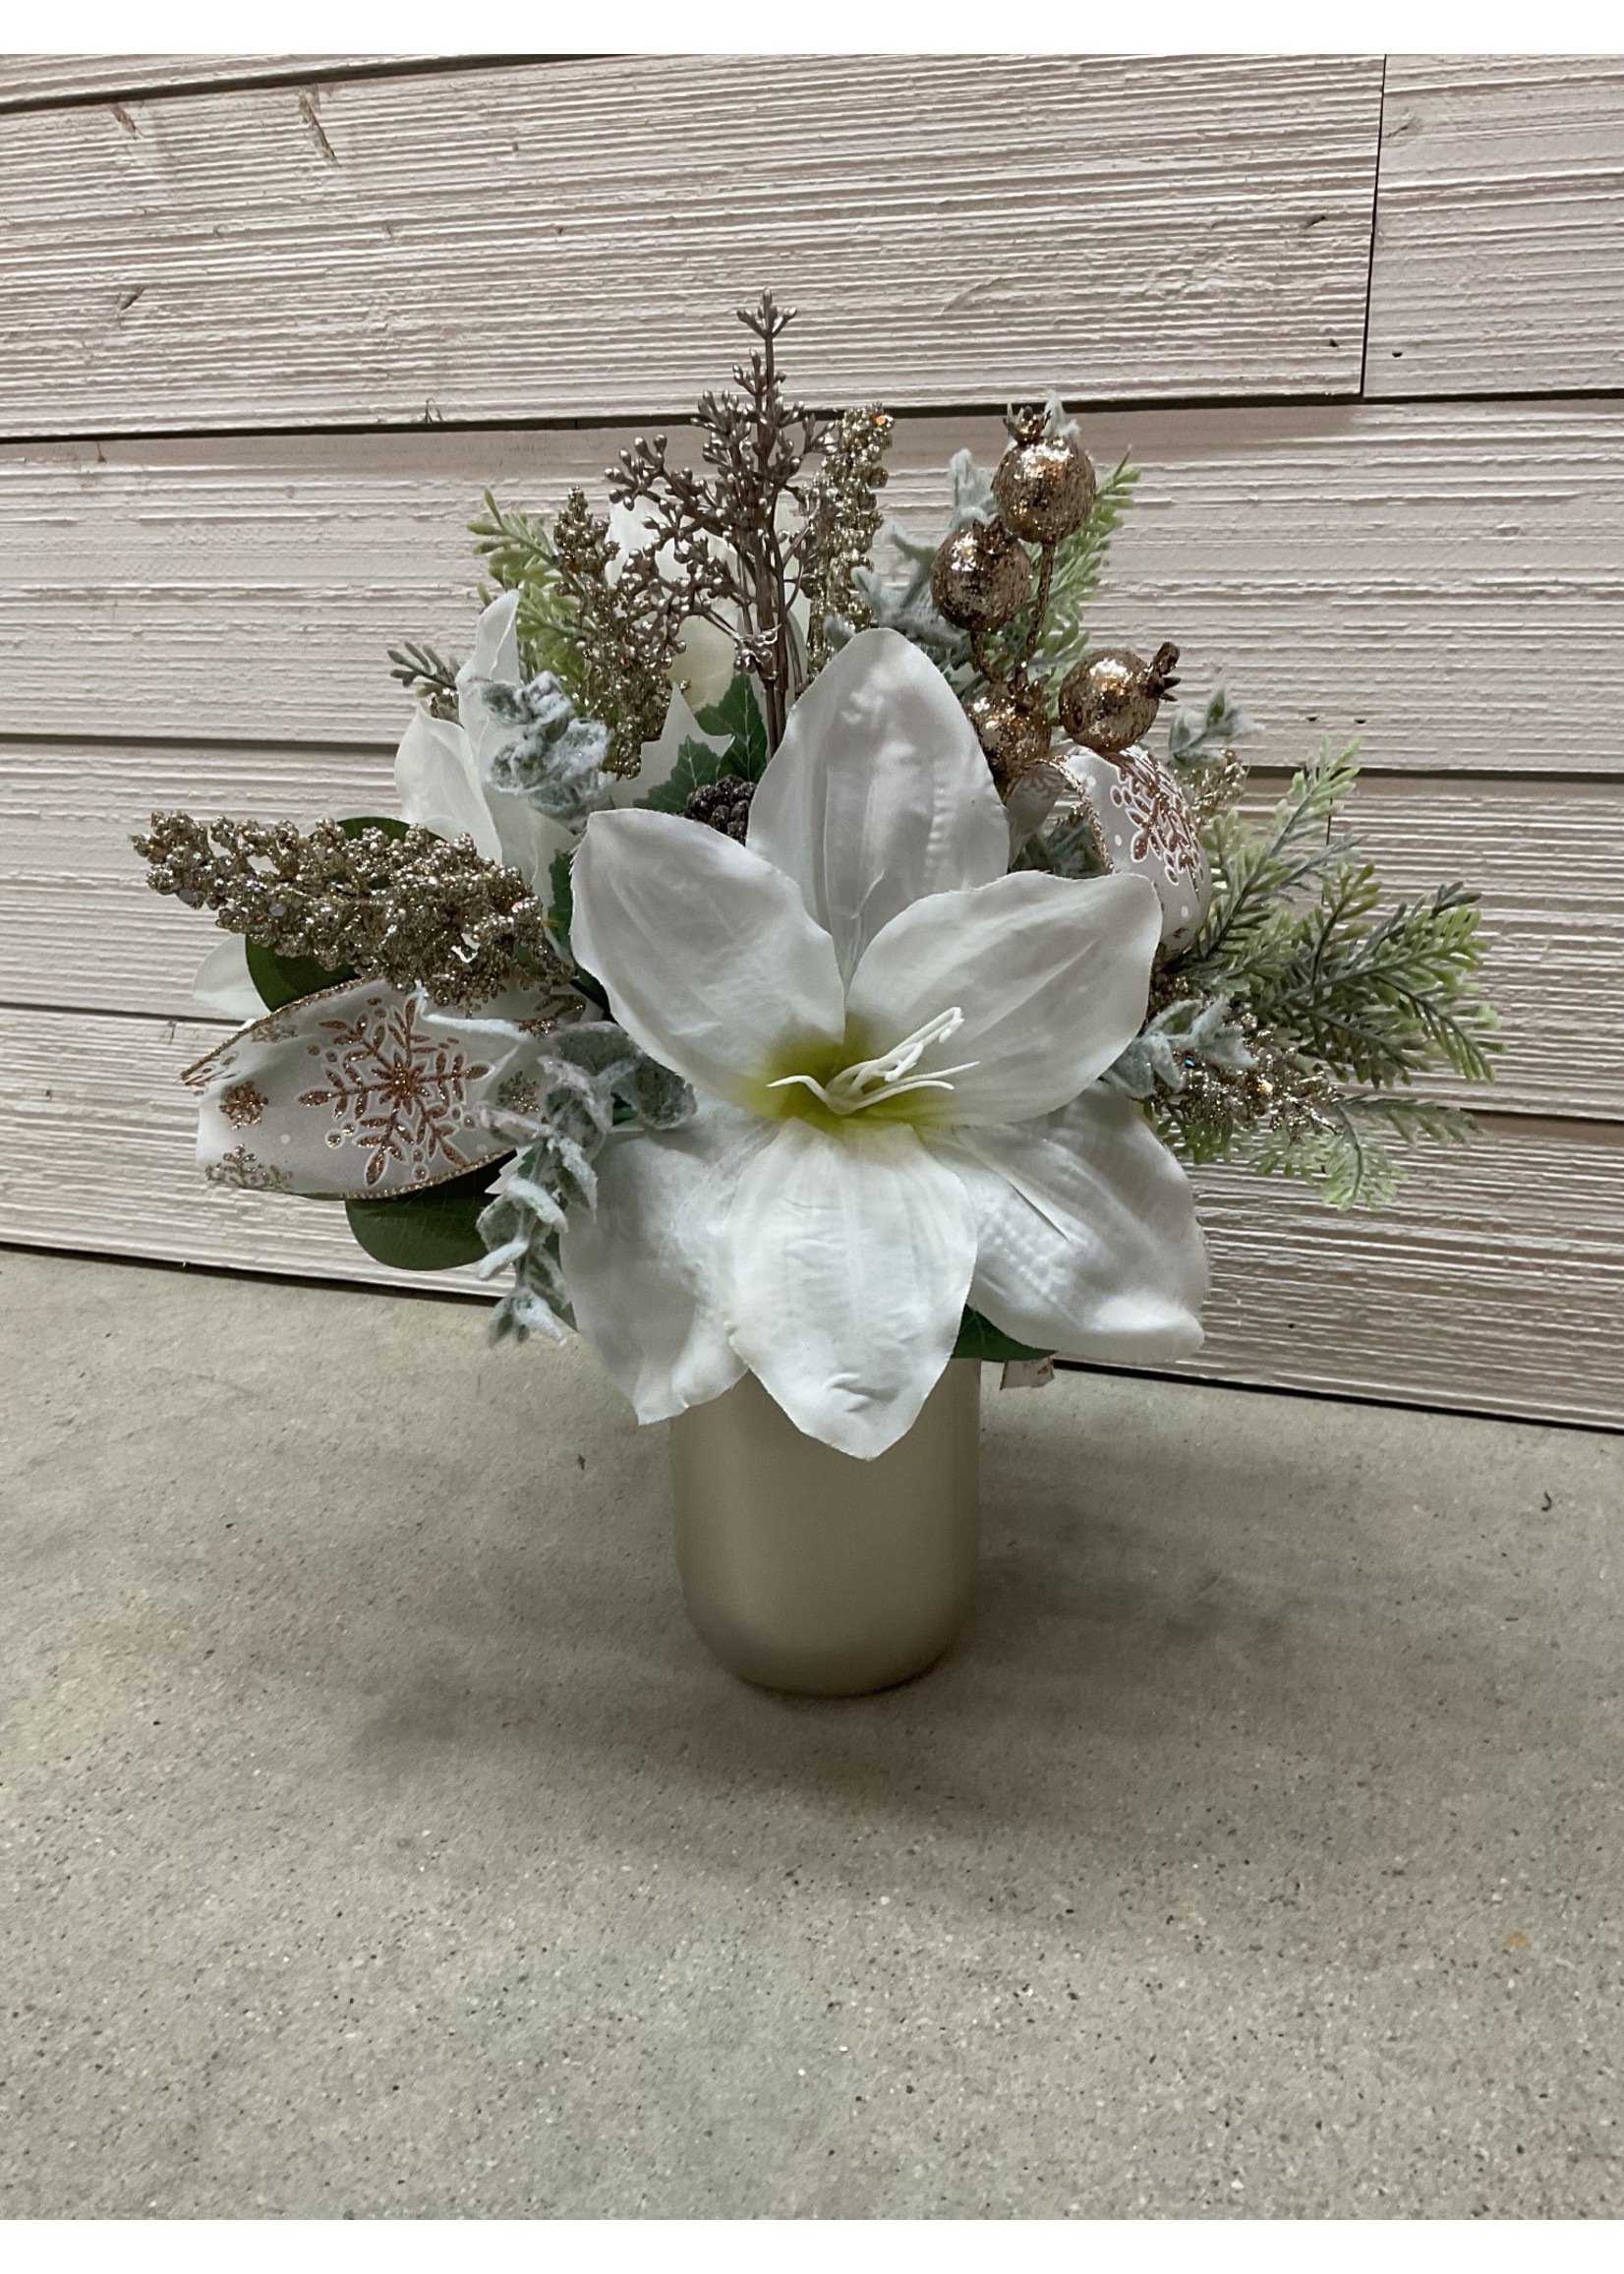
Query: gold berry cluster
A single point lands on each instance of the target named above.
(984, 579)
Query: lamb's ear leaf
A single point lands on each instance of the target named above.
(979, 1338)
(432, 1231)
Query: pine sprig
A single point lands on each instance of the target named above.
(518, 553)
(1255, 869)
(1338, 1000)
(427, 676)
(1350, 1155)
(1380, 1000)
(1079, 566)
(514, 545)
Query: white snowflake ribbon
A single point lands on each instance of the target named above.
(1147, 827)
(353, 1093)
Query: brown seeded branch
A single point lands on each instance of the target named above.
(755, 444)
(414, 910)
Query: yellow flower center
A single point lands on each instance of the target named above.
(840, 1086)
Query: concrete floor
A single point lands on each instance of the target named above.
(377, 1839)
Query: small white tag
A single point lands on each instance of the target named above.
(1027, 1372)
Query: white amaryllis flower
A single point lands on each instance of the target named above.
(893, 1042)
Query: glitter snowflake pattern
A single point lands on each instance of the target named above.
(240, 1171)
(396, 1090)
(243, 1104)
(1159, 814)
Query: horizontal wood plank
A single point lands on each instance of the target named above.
(1499, 248)
(80, 929)
(568, 239)
(1443, 581)
(1494, 1284)
(29, 81)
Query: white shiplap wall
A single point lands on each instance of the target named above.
(1399, 514)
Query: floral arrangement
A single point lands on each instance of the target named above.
(793, 954)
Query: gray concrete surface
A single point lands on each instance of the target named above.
(377, 1839)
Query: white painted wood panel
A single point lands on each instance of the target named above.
(30, 79)
(80, 929)
(567, 239)
(1495, 1283)
(1499, 250)
(1445, 581)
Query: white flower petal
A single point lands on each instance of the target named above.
(496, 653)
(1087, 1239)
(222, 984)
(527, 839)
(632, 533)
(1050, 972)
(702, 668)
(496, 656)
(640, 1269)
(438, 785)
(845, 1265)
(878, 794)
(710, 961)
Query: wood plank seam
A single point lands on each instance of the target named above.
(294, 73)
(633, 423)
(1497, 265)
(1375, 210)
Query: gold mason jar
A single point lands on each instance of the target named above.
(804, 1569)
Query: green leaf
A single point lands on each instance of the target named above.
(979, 1338)
(354, 823)
(429, 1231)
(696, 764)
(560, 917)
(739, 716)
(561, 913)
(282, 979)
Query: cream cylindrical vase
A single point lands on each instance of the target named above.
(806, 1571)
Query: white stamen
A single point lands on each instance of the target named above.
(873, 1080)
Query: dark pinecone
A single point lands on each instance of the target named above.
(724, 806)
